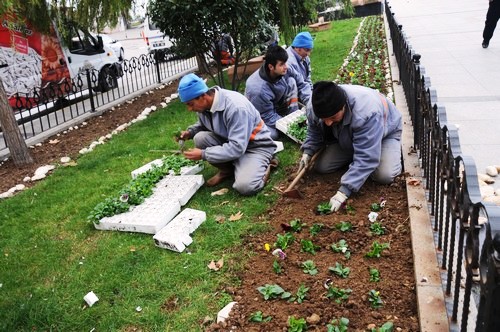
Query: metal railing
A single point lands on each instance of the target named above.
(53, 105)
(466, 229)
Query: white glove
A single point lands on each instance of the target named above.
(337, 200)
(304, 161)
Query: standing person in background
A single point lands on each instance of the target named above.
(298, 55)
(357, 126)
(223, 50)
(275, 89)
(229, 134)
(492, 17)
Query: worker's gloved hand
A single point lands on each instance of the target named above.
(304, 161)
(337, 200)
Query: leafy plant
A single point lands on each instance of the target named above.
(338, 294)
(350, 209)
(341, 247)
(324, 208)
(386, 327)
(309, 267)
(338, 325)
(376, 228)
(374, 275)
(283, 241)
(308, 246)
(296, 324)
(277, 267)
(375, 207)
(301, 294)
(298, 128)
(344, 226)
(258, 317)
(377, 249)
(374, 299)
(315, 229)
(296, 225)
(272, 292)
(340, 270)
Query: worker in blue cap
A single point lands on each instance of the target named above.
(229, 134)
(298, 55)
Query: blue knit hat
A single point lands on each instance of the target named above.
(191, 87)
(303, 40)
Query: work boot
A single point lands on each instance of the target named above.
(225, 171)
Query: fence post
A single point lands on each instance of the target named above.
(91, 92)
(157, 64)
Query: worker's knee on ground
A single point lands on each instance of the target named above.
(248, 188)
(200, 139)
(383, 177)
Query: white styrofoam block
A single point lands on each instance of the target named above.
(279, 146)
(223, 314)
(185, 170)
(175, 235)
(283, 123)
(181, 187)
(145, 168)
(149, 217)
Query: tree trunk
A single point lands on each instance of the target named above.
(18, 150)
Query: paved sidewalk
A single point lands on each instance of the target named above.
(448, 36)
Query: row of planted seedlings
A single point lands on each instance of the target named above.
(366, 65)
(297, 234)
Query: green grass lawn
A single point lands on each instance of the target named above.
(51, 256)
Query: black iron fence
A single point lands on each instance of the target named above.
(467, 230)
(55, 104)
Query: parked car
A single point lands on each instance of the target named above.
(114, 44)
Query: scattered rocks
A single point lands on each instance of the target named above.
(65, 160)
(41, 172)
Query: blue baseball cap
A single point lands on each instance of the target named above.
(303, 40)
(191, 87)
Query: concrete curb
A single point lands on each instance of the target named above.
(430, 295)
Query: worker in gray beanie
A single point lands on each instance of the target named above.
(357, 126)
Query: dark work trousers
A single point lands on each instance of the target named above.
(492, 17)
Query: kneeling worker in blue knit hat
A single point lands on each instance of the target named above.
(298, 55)
(229, 134)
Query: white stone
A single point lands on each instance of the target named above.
(20, 187)
(12, 190)
(41, 172)
(102, 139)
(38, 144)
(70, 128)
(174, 96)
(76, 127)
(493, 199)
(223, 314)
(112, 108)
(108, 136)
(84, 151)
(486, 178)
(146, 111)
(6, 194)
(27, 179)
(65, 160)
(141, 117)
(153, 108)
(486, 191)
(491, 171)
(122, 127)
(497, 192)
(84, 123)
(163, 104)
(168, 100)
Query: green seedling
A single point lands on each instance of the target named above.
(309, 267)
(344, 226)
(386, 327)
(375, 207)
(324, 208)
(258, 317)
(374, 275)
(340, 270)
(298, 128)
(341, 247)
(338, 325)
(301, 294)
(349, 209)
(272, 292)
(296, 225)
(339, 295)
(374, 299)
(377, 249)
(308, 246)
(284, 241)
(376, 228)
(315, 229)
(296, 324)
(277, 267)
